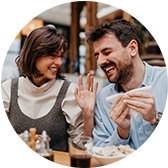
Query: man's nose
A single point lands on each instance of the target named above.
(101, 59)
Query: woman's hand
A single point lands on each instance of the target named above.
(86, 97)
(86, 100)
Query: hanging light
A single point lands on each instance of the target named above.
(29, 24)
(10, 31)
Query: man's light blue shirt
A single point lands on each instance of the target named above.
(105, 129)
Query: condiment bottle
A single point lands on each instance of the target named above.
(45, 150)
(38, 146)
(25, 157)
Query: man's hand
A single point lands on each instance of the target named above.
(143, 103)
(86, 101)
(119, 114)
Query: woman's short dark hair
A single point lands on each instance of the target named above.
(40, 42)
(124, 31)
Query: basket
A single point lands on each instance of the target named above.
(8, 147)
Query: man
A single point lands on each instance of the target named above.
(117, 50)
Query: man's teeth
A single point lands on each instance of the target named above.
(109, 69)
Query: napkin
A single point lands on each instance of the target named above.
(132, 112)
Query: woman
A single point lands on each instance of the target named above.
(41, 98)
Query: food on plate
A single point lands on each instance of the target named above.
(120, 150)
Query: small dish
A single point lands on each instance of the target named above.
(126, 161)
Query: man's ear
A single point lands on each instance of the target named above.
(133, 47)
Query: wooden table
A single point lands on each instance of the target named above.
(63, 161)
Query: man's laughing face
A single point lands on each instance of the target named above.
(114, 59)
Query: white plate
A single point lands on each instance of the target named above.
(127, 161)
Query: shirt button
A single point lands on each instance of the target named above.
(140, 129)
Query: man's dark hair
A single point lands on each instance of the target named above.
(124, 31)
(40, 42)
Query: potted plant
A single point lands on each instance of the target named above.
(150, 28)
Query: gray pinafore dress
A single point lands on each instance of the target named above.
(53, 122)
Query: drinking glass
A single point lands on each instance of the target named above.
(80, 151)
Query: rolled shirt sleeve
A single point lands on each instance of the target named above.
(5, 92)
(73, 112)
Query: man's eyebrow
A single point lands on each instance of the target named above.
(108, 48)
(95, 54)
(103, 50)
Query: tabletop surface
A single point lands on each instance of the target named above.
(63, 161)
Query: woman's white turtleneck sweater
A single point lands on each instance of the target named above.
(36, 102)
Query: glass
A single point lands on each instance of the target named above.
(80, 151)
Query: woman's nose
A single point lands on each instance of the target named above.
(58, 60)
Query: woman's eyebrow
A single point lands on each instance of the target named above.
(57, 53)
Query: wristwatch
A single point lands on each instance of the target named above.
(158, 117)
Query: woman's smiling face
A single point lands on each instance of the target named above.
(48, 67)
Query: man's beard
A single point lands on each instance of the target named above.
(124, 73)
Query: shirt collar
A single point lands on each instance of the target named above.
(33, 88)
(147, 78)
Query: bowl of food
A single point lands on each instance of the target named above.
(111, 154)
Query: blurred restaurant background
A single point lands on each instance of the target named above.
(72, 20)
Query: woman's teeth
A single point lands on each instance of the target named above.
(53, 69)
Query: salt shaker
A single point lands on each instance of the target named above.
(45, 150)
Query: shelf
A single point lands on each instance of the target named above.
(154, 59)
